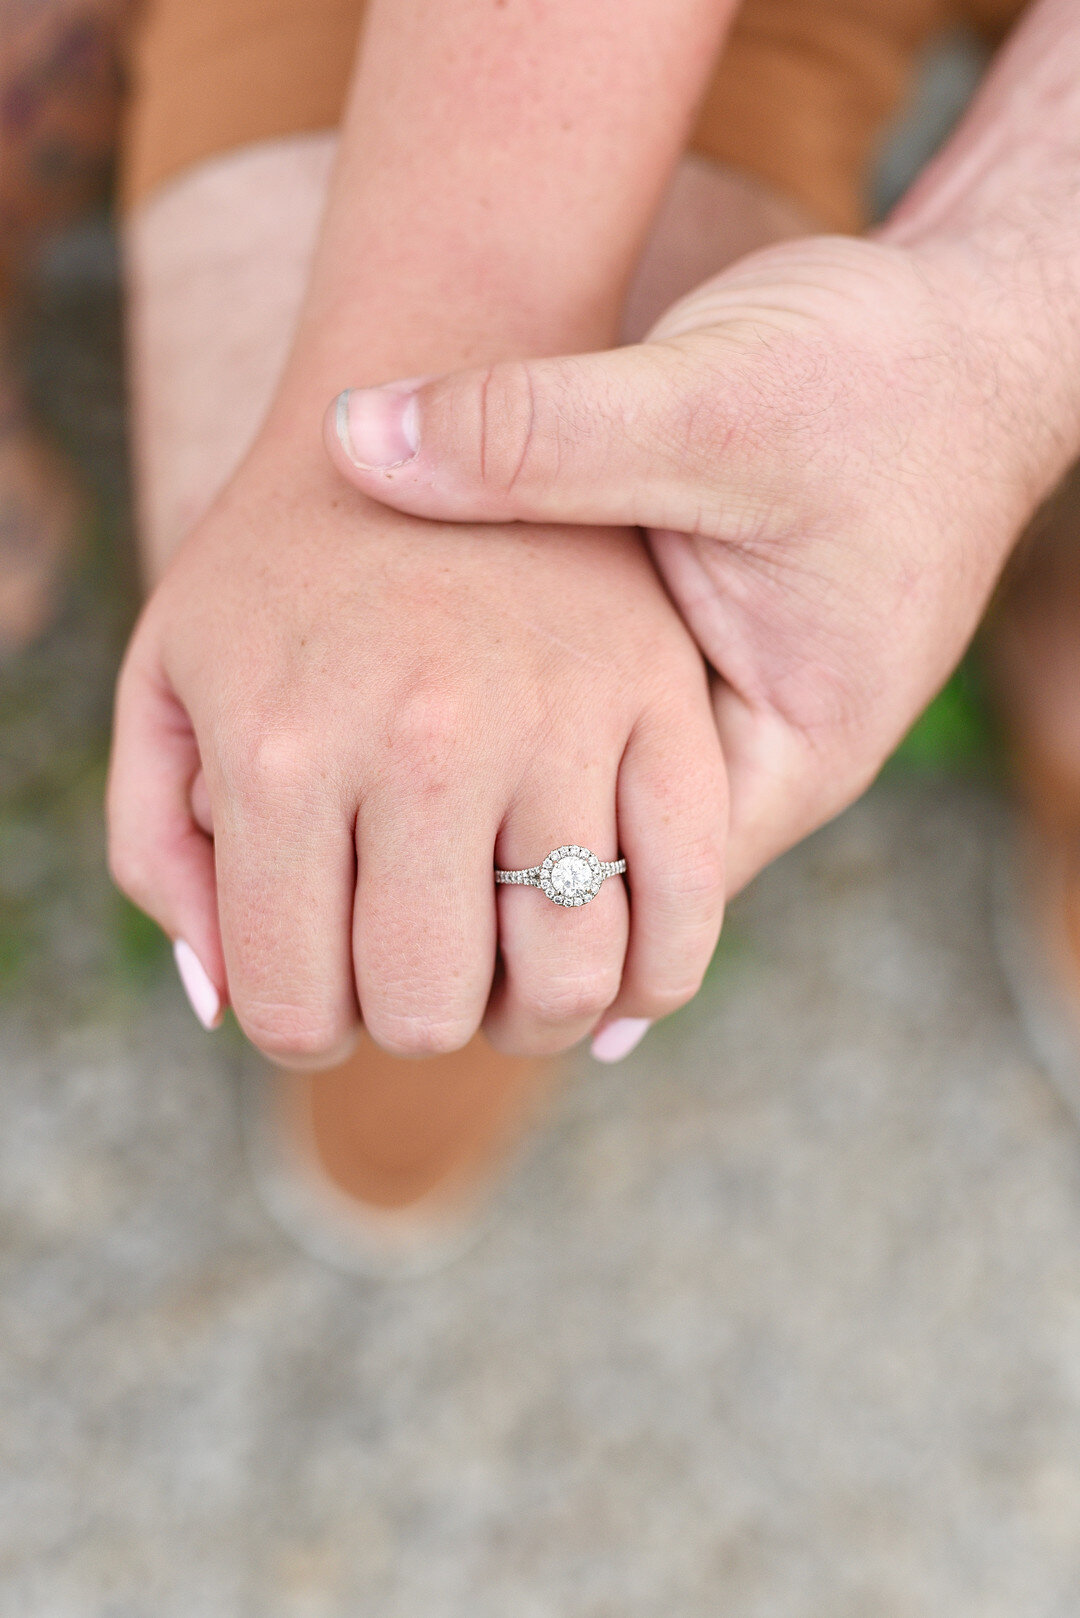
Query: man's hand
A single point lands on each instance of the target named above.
(382, 711)
(831, 446)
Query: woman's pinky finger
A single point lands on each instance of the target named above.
(159, 855)
(672, 809)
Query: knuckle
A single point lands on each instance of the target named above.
(424, 740)
(292, 1034)
(416, 1034)
(662, 999)
(706, 426)
(570, 998)
(511, 1040)
(701, 424)
(513, 444)
(272, 763)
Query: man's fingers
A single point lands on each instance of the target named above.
(782, 786)
(625, 437)
(158, 853)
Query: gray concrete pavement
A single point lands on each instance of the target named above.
(780, 1319)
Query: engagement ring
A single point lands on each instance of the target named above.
(569, 876)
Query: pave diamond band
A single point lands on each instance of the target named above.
(570, 875)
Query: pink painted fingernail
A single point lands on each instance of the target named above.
(205, 1000)
(378, 427)
(619, 1038)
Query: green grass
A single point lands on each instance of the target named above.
(954, 736)
(142, 949)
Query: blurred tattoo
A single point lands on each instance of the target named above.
(60, 84)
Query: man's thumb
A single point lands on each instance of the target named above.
(612, 438)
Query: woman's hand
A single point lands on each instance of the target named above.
(832, 447)
(382, 710)
(833, 444)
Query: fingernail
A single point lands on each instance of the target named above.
(205, 1000)
(378, 427)
(619, 1038)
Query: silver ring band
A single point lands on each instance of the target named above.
(571, 875)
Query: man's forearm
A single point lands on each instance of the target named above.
(1001, 203)
(500, 162)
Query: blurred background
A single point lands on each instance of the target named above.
(781, 1317)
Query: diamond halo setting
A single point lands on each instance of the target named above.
(571, 875)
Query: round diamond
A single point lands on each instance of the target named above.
(572, 877)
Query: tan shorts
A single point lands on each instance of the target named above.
(799, 98)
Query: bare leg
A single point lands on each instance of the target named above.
(216, 267)
(217, 264)
(709, 218)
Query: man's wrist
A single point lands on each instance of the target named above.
(1013, 314)
(993, 220)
